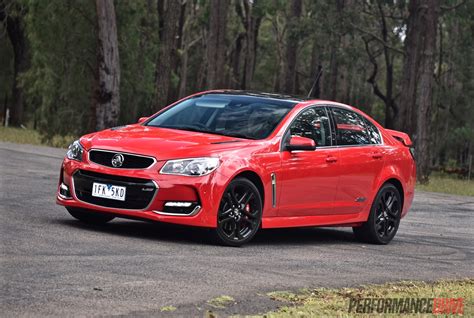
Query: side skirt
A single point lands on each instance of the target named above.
(314, 220)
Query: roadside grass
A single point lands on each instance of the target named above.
(20, 136)
(324, 302)
(221, 301)
(168, 308)
(447, 184)
(32, 137)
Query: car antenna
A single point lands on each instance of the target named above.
(316, 81)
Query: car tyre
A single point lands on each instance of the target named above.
(90, 217)
(384, 217)
(240, 213)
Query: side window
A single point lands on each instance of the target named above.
(374, 135)
(350, 127)
(313, 123)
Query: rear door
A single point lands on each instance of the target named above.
(361, 159)
(309, 179)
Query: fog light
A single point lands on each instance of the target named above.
(178, 204)
(64, 191)
(180, 208)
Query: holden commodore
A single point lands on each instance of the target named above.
(238, 161)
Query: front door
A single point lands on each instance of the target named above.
(309, 179)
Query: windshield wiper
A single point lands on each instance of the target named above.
(208, 131)
(236, 134)
(188, 127)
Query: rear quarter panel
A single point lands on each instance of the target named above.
(399, 165)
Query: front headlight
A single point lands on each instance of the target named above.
(75, 151)
(190, 167)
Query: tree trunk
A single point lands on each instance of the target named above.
(16, 33)
(252, 26)
(216, 47)
(289, 76)
(187, 44)
(429, 16)
(236, 81)
(179, 48)
(336, 86)
(147, 28)
(279, 35)
(315, 67)
(169, 14)
(202, 68)
(107, 93)
(391, 108)
(187, 15)
(342, 87)
(417, 90)
(406, 120)
(330, 88)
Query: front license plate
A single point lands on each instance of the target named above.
(108, 191)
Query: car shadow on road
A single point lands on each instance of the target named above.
(307, 235)
(194, 235)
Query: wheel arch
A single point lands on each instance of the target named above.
(255, 179)
(397, 184)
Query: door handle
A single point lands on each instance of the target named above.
(331, 159)
(377, 155)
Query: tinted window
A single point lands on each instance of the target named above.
(374, 135)
(313, 123)
(244, 116)
(351, 129)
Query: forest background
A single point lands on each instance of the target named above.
(68, 67)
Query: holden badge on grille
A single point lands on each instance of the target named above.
(117, 160)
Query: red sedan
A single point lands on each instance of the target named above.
(238, 161)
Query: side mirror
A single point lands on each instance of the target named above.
(300, 143)
(142, 119)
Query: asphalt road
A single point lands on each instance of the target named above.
(52, 265)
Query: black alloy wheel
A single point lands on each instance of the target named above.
(240, 213)
(384, 218)
(90, 217)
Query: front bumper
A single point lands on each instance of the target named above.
(150, 193)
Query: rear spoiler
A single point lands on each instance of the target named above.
(400, 136)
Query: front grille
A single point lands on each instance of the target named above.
(130, 161)
(139, 193)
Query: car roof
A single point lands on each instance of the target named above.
(299, 100)
(293, 98)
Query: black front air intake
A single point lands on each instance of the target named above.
(139, 193)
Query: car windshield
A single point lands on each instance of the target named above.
(243, 116)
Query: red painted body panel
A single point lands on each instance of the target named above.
(359, 172)
(328, 186)
(308, 182)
